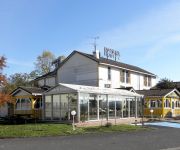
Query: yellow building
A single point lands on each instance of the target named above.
(28, 102)
(161, 102)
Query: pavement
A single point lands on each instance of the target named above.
(159, 138)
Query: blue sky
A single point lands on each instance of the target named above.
(146, 32)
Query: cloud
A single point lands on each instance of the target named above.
(19, 63)
(152, 30)
(162, 45)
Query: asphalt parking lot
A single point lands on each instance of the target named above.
(156, 139)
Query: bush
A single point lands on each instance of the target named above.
(108, 124)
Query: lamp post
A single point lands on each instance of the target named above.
(73, 113)
(151, 111)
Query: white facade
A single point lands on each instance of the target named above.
(136, 79)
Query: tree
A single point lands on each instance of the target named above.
(16, 80)
(44, 62)
(165, 84)
(4, 97)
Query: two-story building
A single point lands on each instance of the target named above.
(93, 70)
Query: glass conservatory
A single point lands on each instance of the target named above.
(90, 103)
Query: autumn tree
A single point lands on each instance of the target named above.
(43, 63)
(4, 97)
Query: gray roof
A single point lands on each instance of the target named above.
(154, 92)
(115, 63)
(31, 90)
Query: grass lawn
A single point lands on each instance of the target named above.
(38, 130)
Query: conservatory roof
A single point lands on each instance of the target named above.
(68, 88)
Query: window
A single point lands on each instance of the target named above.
(159, 103)
(147, 81)
(23, 104)
(109, 73)
(125, 76)
(153, 104)
(167, 103)
(122, 76)
(128, 77)
(107, 85)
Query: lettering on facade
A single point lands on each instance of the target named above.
(111, 53)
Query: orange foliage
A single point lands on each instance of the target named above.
(4, 97)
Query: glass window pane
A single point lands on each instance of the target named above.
(102, 107)
(93, 107)
(84, 98)
(48, 108)
(64, 106)
(56, 107)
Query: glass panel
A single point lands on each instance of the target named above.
(18, 104)
(111, 109)
(56, 107)
(139, 107)
(132, 107)
(102, 107)
(73, 104)
(48, 108)
(119, 109)
(125, 108)
(93, 107)
(111, 100)
(84, 98)
(64, 106)
(26, 104)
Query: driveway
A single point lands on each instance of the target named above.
(158, 138)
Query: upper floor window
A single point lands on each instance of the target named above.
(128, 77)
(147, 81)
(122, 76)
(109, 73)
(125, 76)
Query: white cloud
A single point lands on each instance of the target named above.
(153, 30)
(19, 63)
(161, 45)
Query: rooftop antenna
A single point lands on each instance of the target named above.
(95, 42)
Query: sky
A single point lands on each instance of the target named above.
(145, 32)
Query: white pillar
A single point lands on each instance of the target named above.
(88, 109)
(97, 107)
(60, 118)
(122, 104)
(135, 107)
(51, 107)
(107, 101)
(128, 107)
(78, 107)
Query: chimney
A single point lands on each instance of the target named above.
(96, 54)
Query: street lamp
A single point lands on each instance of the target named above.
(73, 113)
(151, 111)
